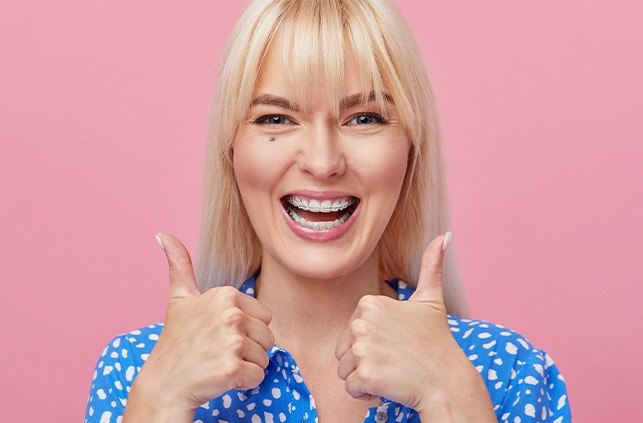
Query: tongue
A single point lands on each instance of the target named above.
(319, 217)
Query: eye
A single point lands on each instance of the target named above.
(366, 119)
(274, 120)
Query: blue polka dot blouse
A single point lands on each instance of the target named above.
(524, 383)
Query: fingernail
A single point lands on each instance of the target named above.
(447, 240)
(159, 240)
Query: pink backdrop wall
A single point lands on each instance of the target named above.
(103, 110)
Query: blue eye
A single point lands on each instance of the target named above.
(366, 119)
(274, 120)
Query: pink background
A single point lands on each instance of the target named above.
(103, 110)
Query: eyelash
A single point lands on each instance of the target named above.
(262, 120)
(376, 116)
(379, 119)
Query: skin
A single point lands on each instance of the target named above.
(402, 350)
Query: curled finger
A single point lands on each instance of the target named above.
(357, 385)
(344, 344)
(253, 307)
(259, 332)
(251, 376)
(347, 365)
(254, 353)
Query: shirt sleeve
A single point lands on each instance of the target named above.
(115, 370)
(536, 391)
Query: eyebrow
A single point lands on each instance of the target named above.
(355, 99)
(345, 103)
(275, 100)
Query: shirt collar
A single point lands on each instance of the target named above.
(403, 290)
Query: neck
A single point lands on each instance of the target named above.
(310, 314)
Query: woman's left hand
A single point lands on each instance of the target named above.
(404, 351)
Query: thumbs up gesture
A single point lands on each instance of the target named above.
(404, 350)
(211, 342)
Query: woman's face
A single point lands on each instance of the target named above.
(319, 191)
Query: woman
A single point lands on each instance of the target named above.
(324, 184)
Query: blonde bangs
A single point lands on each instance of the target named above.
(312, 49)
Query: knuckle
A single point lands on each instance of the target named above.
(232, 368)
(432, 268)
(227, 292)
(352, 390)
(179, 263)
(360, 350)
(236, 343)
(233, 316)
(364, 373)
(359, 327)
(368, 302)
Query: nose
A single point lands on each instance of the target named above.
(321, 154)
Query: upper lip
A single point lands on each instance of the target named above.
(320, 195)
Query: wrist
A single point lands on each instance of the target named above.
(465, 399)
(149, 401)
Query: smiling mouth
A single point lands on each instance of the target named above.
(319, 215)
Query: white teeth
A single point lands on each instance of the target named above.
(318, 226)
(317, 206)
(326, 206)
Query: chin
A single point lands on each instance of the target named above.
(318, 272)
(326, 264)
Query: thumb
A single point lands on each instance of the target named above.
(182, 280)
(429, 285)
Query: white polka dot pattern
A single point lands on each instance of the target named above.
(523, 382)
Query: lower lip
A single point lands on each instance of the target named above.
(325, 235)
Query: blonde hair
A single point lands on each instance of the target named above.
(315, 36)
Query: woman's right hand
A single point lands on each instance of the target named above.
(211, 342)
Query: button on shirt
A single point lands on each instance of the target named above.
(523, 382)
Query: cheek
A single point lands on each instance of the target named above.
(252, 174)
(254, 166)
(383, 168)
